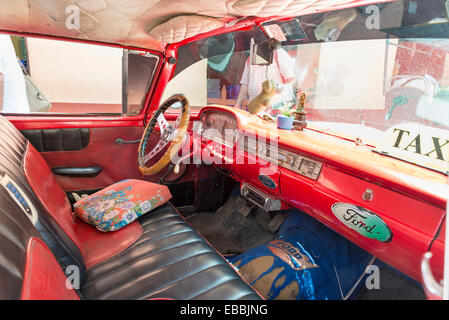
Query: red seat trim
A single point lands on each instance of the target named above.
(98, 246)
(43, 277)
(49, 192)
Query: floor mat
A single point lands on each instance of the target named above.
(307, 261)
(393, 286)
(229, 231)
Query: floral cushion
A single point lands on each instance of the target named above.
(121, 203)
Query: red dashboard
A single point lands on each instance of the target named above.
(316, 173)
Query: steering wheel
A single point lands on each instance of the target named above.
(173, 134)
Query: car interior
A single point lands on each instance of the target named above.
(348, 203)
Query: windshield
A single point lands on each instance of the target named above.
(377, 74)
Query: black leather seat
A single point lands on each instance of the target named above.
(168, 260)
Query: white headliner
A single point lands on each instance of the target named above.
(130, 22)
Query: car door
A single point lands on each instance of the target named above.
(98, 96)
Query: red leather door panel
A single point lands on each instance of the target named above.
(118, 161)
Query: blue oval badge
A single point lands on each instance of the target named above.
(267, 181)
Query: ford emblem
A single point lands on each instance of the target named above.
(267, 181)
(365, 222)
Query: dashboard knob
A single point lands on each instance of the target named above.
(368, 195)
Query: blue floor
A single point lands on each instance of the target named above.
(307, 261)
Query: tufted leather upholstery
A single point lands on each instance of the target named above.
(167, 260)
(48, 140)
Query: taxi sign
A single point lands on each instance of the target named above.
(421, 145)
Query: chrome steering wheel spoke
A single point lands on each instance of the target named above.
(167, 132)
(157, 148)
(162, 122)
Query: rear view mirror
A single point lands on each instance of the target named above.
(286, 32)
(262, 52)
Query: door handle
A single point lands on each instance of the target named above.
(122, 141)
(77, 172)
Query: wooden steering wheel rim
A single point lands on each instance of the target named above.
(176, 141)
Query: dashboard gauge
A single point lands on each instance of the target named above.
(219, 127)
(310, 168)
(293, 161)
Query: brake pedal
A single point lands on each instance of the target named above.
(243, 206)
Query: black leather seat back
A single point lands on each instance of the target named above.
(15, 227)
(15, 231)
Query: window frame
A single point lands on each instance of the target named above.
(146, 99)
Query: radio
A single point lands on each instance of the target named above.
(260, 198)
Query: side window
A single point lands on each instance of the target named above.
(50, 76)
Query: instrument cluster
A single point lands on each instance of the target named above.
(222, 127)
(298, 163)
(218, 126)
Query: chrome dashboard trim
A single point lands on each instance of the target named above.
(295, 162)
(259, 198)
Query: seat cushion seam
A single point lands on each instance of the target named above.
(233, 277)
(137, 260)
(138, 244)
(153, 220)
(215, 287)
(153, 270)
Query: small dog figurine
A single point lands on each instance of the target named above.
(263, 99)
